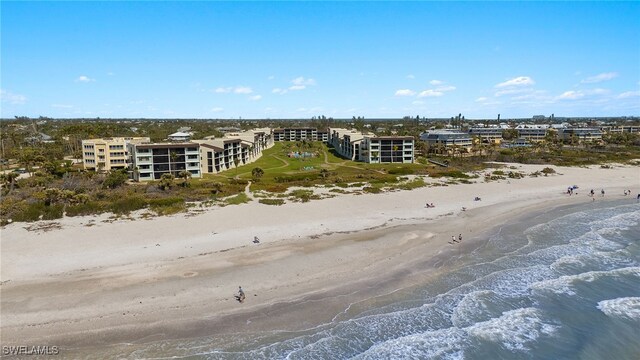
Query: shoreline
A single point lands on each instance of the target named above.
(189, 292)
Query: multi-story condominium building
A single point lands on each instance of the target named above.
(346, 142)
(105, 154)
(297, 134)
(620, 129)
(532, 132)
(447, 138)
(150, 161)
(369, 148)
(491, 135)
(581, 134)
(387, 149)
(233, 149)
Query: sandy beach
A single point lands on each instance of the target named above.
(92, 281)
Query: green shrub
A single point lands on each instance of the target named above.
(170, 201)
(88, 208)
(271, 201)
(126, 205)
(238, 199)
(32, 212)
(401, 171)
(372, 189)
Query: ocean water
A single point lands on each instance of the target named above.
(564, 284)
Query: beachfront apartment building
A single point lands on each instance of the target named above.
(300, 133)
(356, 146)
(234, 149)
(532, 132)
(581, 134)
(105, 154)
(149, 161)
(387, 149)
(447, 139)
(489, 135)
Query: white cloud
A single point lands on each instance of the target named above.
(297, 87)
(84, 79)
(279, 91)
(255, 97)
(628, 94)
(302, 81)
(517, 81)
(430, 93)
(446, 88)
(405, 92)
(11, 98)
(217, 109)
(242, 90)
(481, 99)
(599, 78)
(511, 91)
(411, 76)
(436, 82)
(236, 90)
(574, 95)
(570, 95)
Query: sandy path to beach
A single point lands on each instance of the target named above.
(92, 283)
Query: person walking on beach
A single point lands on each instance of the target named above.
(453, 238)
(592, 193)
(460, 237)
(241, 295)
(602, 192)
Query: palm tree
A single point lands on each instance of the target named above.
(257, 173)
(173, 157)
(9, 179)
(166, 181)
(236, 161)
(185, 175)
(393, 154)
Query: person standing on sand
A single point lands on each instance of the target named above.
(460, 237)
(453, 238)
(602, 192)
(241, 295)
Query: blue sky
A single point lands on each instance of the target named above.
(304, 59)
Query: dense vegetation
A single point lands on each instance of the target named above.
(57, 186)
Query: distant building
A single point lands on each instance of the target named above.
(447, 138)
(179, 136)
(491, 135)
(108, 153)
(620, 129)
(532, 132)
(298, 134)
(517, 143)
(582, 134)
(149, 161)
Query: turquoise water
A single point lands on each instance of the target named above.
(564, 284)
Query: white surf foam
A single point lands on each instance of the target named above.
(514, 330)
(627, 307)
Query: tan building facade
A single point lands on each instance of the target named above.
(106, 154)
